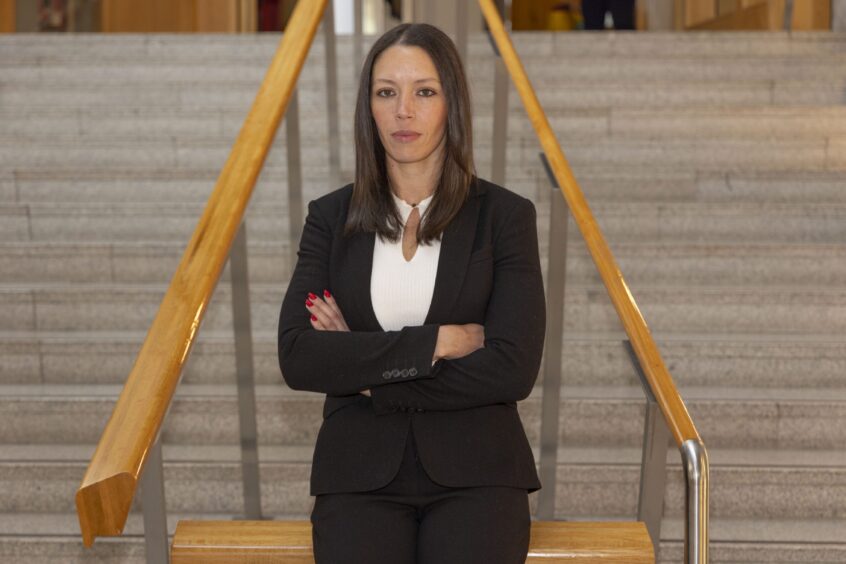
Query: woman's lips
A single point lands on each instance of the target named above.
(405, 136)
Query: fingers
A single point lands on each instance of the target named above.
(333, 305)
(325, 313)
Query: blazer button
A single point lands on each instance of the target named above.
(395, 373)
(386, 375)
(412, 371)
(404, 373)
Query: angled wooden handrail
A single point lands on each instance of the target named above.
(104, 498)
(659, 379)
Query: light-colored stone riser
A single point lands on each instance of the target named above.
(581, 489)
(722, 530)
(642, 265)
(184, 185)
(40, 415)
(535, 43)
(165, 123)
(130, 550)
(711, 310)
(775, 552)
(49, 549)
(740, 363)
(217, 96)
(583, 94)
(577, 68)
(628, 152)
(128, 187)
(714, 223)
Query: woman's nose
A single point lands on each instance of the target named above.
(405, 105)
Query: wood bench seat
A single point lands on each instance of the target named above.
(289, 542)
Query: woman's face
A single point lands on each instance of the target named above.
(409, 106)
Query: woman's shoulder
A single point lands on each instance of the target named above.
(334, 203)
(501, 198)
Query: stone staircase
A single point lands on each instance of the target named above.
(714, 163)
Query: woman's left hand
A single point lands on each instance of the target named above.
(327, 316)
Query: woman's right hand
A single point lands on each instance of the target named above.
(455, 341)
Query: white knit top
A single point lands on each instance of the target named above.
(401, 291)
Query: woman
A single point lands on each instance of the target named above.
(417, 307)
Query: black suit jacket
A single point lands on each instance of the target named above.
(463, 411)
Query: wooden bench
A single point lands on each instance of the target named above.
(289, 542)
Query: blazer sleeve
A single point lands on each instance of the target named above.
(506, 368)
(341, 362)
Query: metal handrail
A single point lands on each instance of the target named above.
(657, 377)
(130, 437)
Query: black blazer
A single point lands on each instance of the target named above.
(463, 411)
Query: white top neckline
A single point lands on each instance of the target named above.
(401, 291)
(405, 208)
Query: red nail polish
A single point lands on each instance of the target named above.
(327, 294)
(314, 318)
(309, 303)
(312, 296)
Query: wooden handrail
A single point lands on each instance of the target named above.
(104, 498)
(659, 379)
(213, 542)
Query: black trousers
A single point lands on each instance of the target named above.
(415, 520)
(621, 10)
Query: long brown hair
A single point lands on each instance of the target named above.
(372, 209)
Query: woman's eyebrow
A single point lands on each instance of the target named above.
(415, 82)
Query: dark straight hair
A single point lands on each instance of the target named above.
(372, 208)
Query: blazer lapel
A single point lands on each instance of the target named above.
(360, 264)
(456, 245)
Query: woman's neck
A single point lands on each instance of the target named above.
(414, 182)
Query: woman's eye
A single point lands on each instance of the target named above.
(384, 93)
(428, 92)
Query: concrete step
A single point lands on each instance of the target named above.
(579, 95)
(235, 96)
(602, 417)
(694, 360)
(593, 67)
(657, 184)
(633, 222)
(129, 549)
(716, 310)
(631, 151)
(535, 43)
(588, 485)
(166, 123)
(723, 530)
(678, 264)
